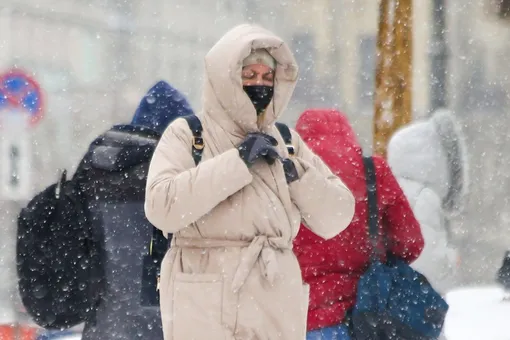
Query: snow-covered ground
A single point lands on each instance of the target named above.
(477, 313)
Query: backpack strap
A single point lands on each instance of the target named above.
(197, 148)
(287, 137)
(373, 210)
(198, 142)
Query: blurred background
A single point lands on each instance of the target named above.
(93, 61)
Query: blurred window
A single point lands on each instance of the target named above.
(303, 45)
(366, 72)
(504, 9)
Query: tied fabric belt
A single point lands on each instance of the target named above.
(261, 248)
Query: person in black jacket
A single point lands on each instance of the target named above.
(503, 275)
(82, 243)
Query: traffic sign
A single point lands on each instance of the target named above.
(20, 92)
(21, 107)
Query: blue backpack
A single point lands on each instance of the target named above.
(393, 300)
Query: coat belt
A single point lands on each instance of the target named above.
(262, 248)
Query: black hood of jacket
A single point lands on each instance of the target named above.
(120, 148)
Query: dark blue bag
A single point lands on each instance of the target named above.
(393, 300)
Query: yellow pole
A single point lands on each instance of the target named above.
(404, 59)
(383, 80)
(393, 96)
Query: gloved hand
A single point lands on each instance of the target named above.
(291, 173)
(257, 145)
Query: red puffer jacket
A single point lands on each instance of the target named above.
(332, 268)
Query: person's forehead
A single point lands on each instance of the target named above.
(257, 68)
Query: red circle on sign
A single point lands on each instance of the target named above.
(27, 96)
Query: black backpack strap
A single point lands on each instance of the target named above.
(198, 142)
(287, 137)
(373, 210)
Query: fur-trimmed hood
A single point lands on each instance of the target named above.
(433, 152)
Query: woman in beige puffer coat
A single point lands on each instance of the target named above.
(231, 272)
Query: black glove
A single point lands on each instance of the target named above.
(257, 145)
(290, 170)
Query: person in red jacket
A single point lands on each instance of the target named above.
(332, 268)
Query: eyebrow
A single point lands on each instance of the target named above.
(264, 74)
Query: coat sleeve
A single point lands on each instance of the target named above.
(179, 193)
(437, 260)
(404, 235)
(326, 204)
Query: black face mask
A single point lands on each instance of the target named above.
(260, 96)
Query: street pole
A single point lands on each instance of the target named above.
(393, 95)
(384, 86)
(439, 58)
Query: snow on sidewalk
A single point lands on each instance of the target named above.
(477, 313)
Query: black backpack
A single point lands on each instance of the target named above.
(57, 297)
(159, 244)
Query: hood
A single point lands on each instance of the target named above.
(160, 106)
(433, 153)
(329, 135)
(329, 125)
(122, 147)
(224, 99)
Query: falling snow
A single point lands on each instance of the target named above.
(70, 70)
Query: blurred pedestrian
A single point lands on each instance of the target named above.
(503, 275)
(429, 160)
(333, 267)
(81, 242)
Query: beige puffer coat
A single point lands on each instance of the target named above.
(231, 272)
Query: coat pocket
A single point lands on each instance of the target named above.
(198, 307)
